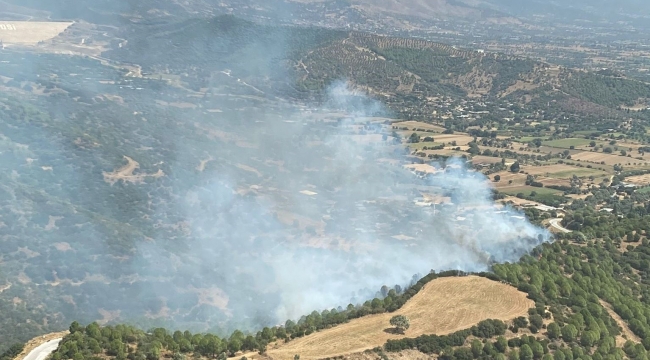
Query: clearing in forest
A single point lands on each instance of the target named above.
(627, 333)
(30, 32)
(125, 173)
(443, 306)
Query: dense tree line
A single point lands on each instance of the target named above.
(434, 344)
(568, 283)
(12, 351)
(127, 342)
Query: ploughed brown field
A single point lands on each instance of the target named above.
(443, 306)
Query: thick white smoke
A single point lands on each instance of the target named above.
(333, 216)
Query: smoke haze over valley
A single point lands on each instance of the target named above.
(230, 165)
(126, 198)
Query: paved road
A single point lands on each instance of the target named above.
(556, 224)
(44, 350)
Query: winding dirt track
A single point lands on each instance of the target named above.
(443, 306)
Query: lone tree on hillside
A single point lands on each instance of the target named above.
(400, 322)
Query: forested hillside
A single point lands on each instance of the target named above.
(577, 288)
(413, 77)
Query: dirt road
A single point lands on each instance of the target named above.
(44, 350)
(556, 224)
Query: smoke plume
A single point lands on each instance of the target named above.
(222, 206)
(334, 215)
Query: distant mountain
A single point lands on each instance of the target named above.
(330, 12)
(572, 11)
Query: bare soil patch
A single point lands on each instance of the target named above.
(460, 139)
(213, 296)
(423, 168)
(443, 306)
(125, 173)
(479, 159)
(51, 225)
(201, 166)
(639, 179)
(108, 316)
(249, 169)
(519, 85)
(30, 32)
(62, 246)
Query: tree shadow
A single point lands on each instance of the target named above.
(394, 331)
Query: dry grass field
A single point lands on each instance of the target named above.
(30, 32)
(560, 171)
(507, 176)
(609, 159)
(639, 179)
(443, 306)
(419, 125)
(478, 159)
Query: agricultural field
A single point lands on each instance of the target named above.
(514, 190)
(608, 159)
(641, 180)
(480, 159)
(567, 143)
(419, 125)
(562, 171)
(443, 306)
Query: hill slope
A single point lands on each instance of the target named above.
(413, 77)
(443, 306)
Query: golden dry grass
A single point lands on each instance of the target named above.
(443, 306)
(30, 32)
(548, 169)
(478, 159)
(609, 159)
(639, 179)
(517, 180)
(460, 139)
(419, 125)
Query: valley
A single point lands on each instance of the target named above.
(215, 186)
